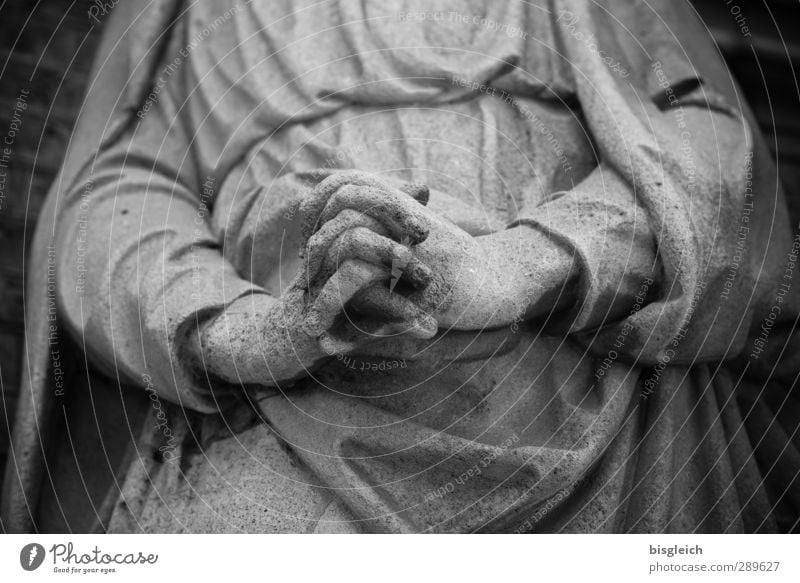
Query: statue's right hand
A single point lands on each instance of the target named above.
(262, 340)
(349, 262)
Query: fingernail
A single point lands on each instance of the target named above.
(423, 195)
(311, 325)
(419, 192)
(419, 274)
(429, 325)
(402, 257)
(327, 345)
(334, 347)
(417, 232)
(423, 328)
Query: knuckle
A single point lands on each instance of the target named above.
(315, 239)
(344, 192)
(316, 242)
(350, 268)
(346, 247)
(348, 217)
(331, 182)
(360, 235)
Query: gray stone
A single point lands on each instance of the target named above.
(482, 285)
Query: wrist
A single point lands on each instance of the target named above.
(531, 269)
(257, 340)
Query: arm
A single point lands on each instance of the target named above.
(187, 284)
(138, 263)
(590, 252)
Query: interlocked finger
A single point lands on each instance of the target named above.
(366, 245)
(316, 250)
(406, 315)
(397, 212)
(405, 319)
(353, 276)
(312, 206)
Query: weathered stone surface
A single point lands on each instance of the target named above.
(483, 285)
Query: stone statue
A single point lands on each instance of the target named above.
(360, 266)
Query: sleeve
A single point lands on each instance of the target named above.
(655, 227)
(609, 238)
(614, 239)
(139, 264)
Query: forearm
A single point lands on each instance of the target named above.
(531, 275)
(137, 262)
(256, 340)
(602, 256)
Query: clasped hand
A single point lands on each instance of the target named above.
(379, 263)
(380, 266)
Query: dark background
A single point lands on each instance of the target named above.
(47, 47)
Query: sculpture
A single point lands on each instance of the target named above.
(513, 309)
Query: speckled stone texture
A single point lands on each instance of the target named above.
(563, 349)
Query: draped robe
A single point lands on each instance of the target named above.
(653, 404)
